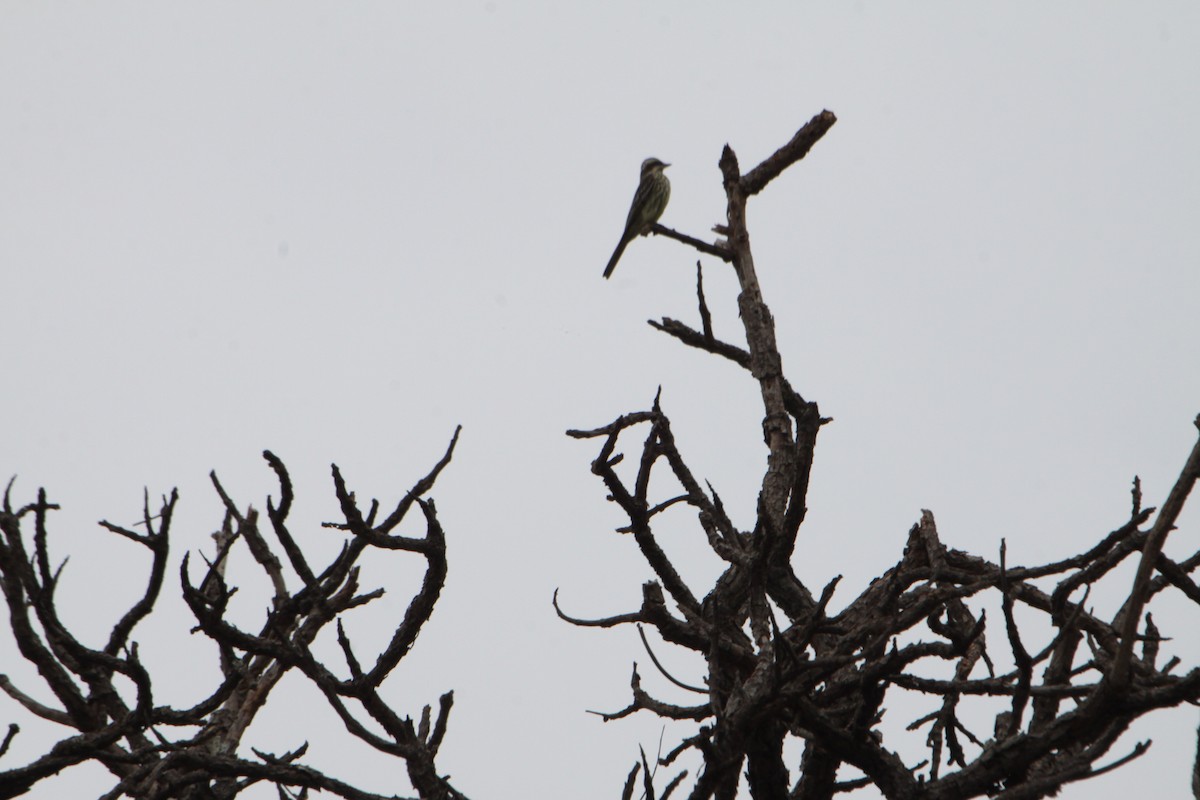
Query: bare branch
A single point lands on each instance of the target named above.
(1163, 525)
(780, 666)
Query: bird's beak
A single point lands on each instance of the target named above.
(666, 165)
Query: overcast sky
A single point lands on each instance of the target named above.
(339, 230)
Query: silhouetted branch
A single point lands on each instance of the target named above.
(780, 666)
(703, 246)
(157, 751)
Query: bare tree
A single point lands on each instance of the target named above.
(782, 665)
(158, 751)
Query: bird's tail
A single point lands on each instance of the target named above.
(616, 256)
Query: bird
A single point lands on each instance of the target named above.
(653, 192)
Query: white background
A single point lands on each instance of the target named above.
(339, 230)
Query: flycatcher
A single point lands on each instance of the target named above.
(653, 192)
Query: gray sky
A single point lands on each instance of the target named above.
(338, 231)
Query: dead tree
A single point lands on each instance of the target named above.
(782, 665)
(161, 751)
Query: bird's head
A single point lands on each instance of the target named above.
(653, 165)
